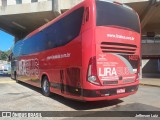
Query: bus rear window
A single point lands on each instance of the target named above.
(109, 14)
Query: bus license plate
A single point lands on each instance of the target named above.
(120, 91)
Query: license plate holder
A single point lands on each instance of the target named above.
(120, 91)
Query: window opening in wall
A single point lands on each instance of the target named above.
(34, 1)
(18, 1)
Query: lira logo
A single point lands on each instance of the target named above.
(113, 71)
(107, 72)
(29, 67)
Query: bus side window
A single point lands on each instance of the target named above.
(86, 15)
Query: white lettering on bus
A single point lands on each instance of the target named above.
(59, 56)
(29, 67)
(120, 36)
(107, 72)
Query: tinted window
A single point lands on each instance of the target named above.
(65, 30)
(56, 35)
(33, 44)
(117, 15)
(17, 48)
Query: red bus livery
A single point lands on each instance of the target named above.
(89, 53)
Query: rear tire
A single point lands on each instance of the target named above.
(46, 86)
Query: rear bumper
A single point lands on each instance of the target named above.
(109, 94)
(108, 97)
(97, 93)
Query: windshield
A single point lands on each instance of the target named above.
(109, 14)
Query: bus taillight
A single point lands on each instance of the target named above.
(92, 72)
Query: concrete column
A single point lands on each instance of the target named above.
(4, 3)
(55, 8)
(0, 3)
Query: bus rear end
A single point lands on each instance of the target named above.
(115, 69)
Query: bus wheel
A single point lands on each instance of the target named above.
(46, 86)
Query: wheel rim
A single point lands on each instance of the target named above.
(46, 86)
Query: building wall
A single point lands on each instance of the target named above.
(11, 2)
(151, 67)
(68, 4)
(14, 2)
(65, 3)
(26, 8)
(26, 1)
(150, 49)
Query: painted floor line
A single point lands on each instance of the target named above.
(7, 82)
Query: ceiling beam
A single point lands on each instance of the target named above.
(148, 12)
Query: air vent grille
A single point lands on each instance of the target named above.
(120, 48)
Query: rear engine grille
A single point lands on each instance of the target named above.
(121, 48)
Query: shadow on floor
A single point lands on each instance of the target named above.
(77, 105)
(5, 75)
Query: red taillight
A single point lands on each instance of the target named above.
(92, 72)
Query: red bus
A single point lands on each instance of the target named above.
(89, 53)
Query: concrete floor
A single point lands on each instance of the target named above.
(150, 81)
(22, 97)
